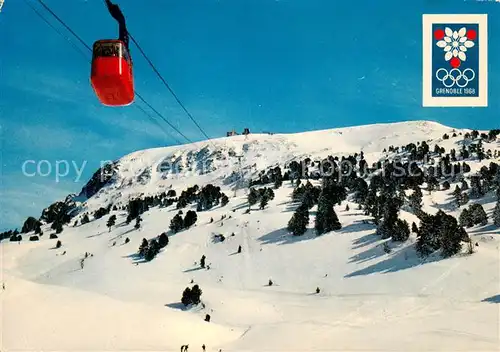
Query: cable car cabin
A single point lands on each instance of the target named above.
(111, 75)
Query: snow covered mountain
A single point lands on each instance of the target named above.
(94, 293)
(148, 172)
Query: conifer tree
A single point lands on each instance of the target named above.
(457, 194)
(440, 231)
(137, 222)
(163, 240)
(360, 190)
(224, 200)
(416, 200)
(465, 218)
(58, 227)
(264, 198)
(143, 247)
(451, 235)
(427, 238)
(111, 222)
(326, 218)
(177, 223)
(190, 219)
(196, 294)
(496, 214)
(299, 221)
(465, 199)
(186, 297)
(253, 197)
(414, 227)
(476, 189)
(479, 216)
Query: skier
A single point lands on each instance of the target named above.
(117, 14)
(203, 347)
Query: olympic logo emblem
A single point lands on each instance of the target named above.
(455, 77)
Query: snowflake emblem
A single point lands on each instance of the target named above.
(455, 44)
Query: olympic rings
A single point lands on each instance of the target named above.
(455, 76)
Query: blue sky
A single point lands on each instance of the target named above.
(270, 65)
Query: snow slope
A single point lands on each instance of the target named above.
(369, 300)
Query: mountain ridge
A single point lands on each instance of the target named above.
(126, 259)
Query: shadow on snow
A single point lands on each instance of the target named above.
(492, 299)
(177, 305)
(403, 259)
(358, 226)
(282, 236)
(136, 258)
(193, 269)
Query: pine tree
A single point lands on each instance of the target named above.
(496, 215)
(476, 189)
(186, 297)
(264, 200)
(163, 240)
(465, 219)
(253, 197)
(479, 216)
(440, 231)
(299, 221)
(414, 227)
(111, 222)
(451, 235)
(401, 231)
(308, 198)
(416, 200)
(457, 194)
(190, 219)
(177, 223)
(196, 294)
(152, 250)
(202, 261)
(58, 227)
(360, 190)
(224, 200)
(465, 185)
(278, 182)
(137, 223)
(143, 247)
(326, 218)
(465, 199)
(427, 238)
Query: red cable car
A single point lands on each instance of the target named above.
(111, 75)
